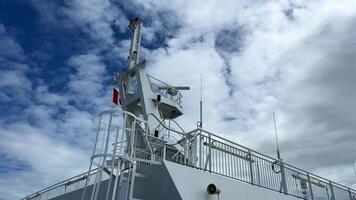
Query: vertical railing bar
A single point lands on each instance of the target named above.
(219, 160)
(112, 163)
(216, 158)
(225, 160)
(113, 196)
(235, 163)
(310, 187)
(259, 172)
(283, 176)
(228, 161)
(269, 174)
(265, 174)
(232, 156)
(350, 195)
(240, 166)
(91, 160)
(250, 162)
(332, 191)
(209, 152)
(212, 157)
(105, 154)
(131, 185)
(98, 174)
(200, 143)
(264, 182)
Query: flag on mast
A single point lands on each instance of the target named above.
(116, 97)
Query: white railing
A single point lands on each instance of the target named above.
(66, 186)
(120, 143)
(165, 90)
(214, 154)
(118, 149)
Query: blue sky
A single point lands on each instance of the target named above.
(295, 58)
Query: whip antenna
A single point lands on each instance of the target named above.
(275, 133)
(201, 101)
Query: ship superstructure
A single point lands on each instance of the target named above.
(140, 152)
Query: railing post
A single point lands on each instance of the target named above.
(164, 152)
(251, 172)
(350, 195)
(310, 187)
(200, 149)
(209, 152)
(332, 191)
(283, 176)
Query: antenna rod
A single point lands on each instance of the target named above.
(201, 101)
(275, 132)
(353, 164)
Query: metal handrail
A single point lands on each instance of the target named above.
(223, 147)
(274, 159)
(214, 151)
(57, 185)
(168, 128)
(177, 99)
(177, 125)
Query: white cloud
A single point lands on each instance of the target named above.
(299, 65)
(287, 64)
(50, 136)
(96, 17)
(48, 159)
(89, 77)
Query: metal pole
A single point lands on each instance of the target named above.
(284, 182)
(132, 181)
(135, 26)
(201, 101)
(332, 191)
(209, 152)
(310, 187)
(275, 132)
(164, 152)
(350, 194)
(91, 160)
(251, 172)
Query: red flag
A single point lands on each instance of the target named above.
(116, 97)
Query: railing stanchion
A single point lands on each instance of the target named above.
(209, 152)
(284, 182)
(164, 152)
(200, 148)
(332, 191)
(251, 172)
(310, 187)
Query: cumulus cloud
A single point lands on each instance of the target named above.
(293, 58)
(46, 135)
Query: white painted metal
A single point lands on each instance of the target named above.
(192, 184)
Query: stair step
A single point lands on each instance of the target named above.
(140, 175)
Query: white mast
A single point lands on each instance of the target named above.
(135, 26)
(144, 95)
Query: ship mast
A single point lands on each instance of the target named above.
(135, 26)
(144, 96)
